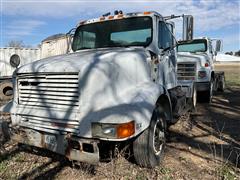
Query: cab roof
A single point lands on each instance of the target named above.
(120, 16)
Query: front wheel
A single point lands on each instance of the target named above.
(207, 95)
(148, 148)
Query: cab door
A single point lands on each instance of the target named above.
(168, 55)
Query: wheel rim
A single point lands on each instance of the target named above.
(158, 137)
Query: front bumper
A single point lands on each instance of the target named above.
(74, 148)
(203, 86)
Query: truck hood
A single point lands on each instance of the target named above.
(114, 86)
(199, 58)
(75, 61)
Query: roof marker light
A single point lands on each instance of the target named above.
(82, 22)
(120, 16)
(102, 18)
(147, 13)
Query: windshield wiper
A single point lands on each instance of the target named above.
(122, 45)
(82, 48)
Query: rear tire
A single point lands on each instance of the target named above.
(148, 148)
(221, 84)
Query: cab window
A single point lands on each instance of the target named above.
(165, 38)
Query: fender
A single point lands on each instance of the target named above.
(138, 105)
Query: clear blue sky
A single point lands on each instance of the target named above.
(33, 20)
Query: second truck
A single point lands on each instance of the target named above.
(196, 63)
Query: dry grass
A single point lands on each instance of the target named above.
(232, 73)
(195, 149)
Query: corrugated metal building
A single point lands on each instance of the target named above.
(51, 46)
(26, 55)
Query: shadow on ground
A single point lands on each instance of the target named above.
(214, 129)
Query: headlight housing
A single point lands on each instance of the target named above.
(113, 131)
(202, 74)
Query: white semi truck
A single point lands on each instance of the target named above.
(196, 63)
(119, 86)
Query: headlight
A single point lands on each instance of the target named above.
(114, 131)
(202, 74)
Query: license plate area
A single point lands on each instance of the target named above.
(50, 141)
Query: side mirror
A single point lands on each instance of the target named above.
(69, 39)
(15, 60)
(187, 27)
(218, 45)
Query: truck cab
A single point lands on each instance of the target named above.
(118, 86)
(196, 62)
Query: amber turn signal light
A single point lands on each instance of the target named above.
(125, 130)
(147, 13)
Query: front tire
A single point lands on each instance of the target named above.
(148, 148)
(207, 95)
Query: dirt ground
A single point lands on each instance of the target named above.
(202, 145)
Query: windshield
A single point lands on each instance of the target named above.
(135, 31)
(199, 45)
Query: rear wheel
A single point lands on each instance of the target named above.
(221, 84)
(148, 148)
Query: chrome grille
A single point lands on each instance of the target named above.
(186, 71)
(48, 90)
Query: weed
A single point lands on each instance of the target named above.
(3, 166)
(19, 158)
(226, 172)
(166, 172)
(182, 159)
(141, 176)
